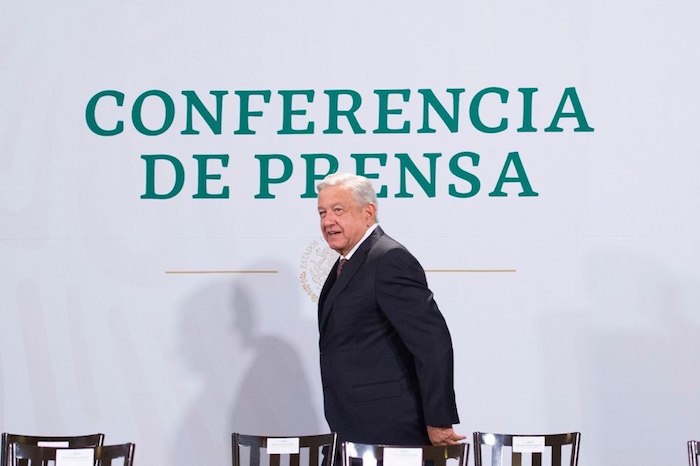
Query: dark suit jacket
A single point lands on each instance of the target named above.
(386, 352)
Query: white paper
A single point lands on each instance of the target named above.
(403, 457)
(52, 443)
(75, 457)
(283, 446)
(528, 444)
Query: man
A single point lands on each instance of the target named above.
(385, 350)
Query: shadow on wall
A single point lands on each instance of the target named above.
(253, 380)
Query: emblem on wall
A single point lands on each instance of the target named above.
(315, 264)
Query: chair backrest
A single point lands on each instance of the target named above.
(73, 441)
(354, 453)
(548, 447)
(105, 455)
(694, 453)
(309, 450)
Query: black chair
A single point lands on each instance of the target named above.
(312, 450)
(105, 455)
(694, 453)
(500, 444)
(357, 453)
(74, 441)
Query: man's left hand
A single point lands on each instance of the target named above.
(444, 435)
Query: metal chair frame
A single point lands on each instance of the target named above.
(325, 444)
(32, 455)
(694, 452)
(433, 455)
(82, 441)
(554, 442)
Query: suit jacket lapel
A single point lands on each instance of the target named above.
(333, 287)
(327, 285)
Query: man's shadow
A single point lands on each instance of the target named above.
(212, 357)
(274, 396)
(248, 378)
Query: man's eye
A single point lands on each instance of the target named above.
(338, 210)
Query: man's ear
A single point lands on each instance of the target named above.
(371, 211)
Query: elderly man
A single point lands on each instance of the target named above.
(385, 350)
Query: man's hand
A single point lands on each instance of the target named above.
(444, 435)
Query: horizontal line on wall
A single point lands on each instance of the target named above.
(471, 270)
(218, 272)
(251, 272)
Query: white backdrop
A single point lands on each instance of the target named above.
(172, 323)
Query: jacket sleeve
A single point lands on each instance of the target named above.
(404, 297)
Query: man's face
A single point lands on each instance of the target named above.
(343, 220)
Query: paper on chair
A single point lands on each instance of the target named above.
(528, 444)
(283, 446)
(403, 456)
(52, 443)
(75, 457)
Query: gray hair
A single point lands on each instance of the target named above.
(360, 186)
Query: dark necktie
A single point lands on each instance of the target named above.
(341, 263)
